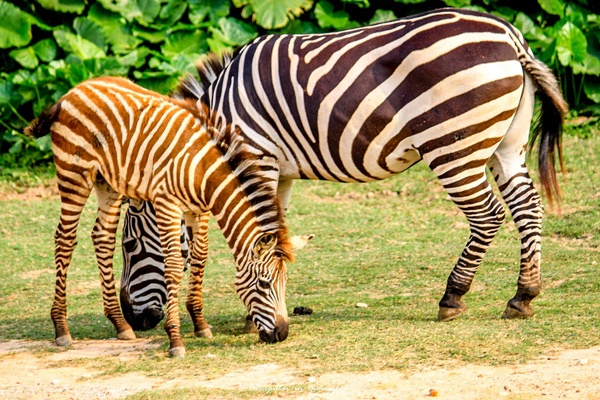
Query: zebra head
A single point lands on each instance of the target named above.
(261, 285)
(143, 289)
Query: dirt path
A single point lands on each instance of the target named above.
(24, 375)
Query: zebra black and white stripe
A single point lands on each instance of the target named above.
(143, 292)
(454, 88)
(122, 140)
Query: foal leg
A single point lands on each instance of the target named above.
(74, 189)
(103, 236)
(168, 218)
(508, 167)
(199, 252)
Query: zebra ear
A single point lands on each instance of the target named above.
(299, 242)
(264, 244)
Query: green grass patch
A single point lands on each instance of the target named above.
(390, 244)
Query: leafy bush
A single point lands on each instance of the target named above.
(48, 46)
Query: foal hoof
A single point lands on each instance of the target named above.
(448, 314)
(250, 327)
(126, 335)
(517, 312)
(177, 352)
(204, 333)
(63, 341)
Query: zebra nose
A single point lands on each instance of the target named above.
(281, 329)
(279, 334)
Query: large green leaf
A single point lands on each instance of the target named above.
(90, 30)
(273, 14)
(184, 42)
(15, 26)
(592, 91)
(115, 30)
(589, 66)
(69, 6)
(45, 50)
(215, 9)
(148, 10)
(554, 7)
(78, 46)
(150, 35)
(457, 3)
(327, 18)
(171, 12)
(571, 44)
(233, 32)
(26, 57)
(360, 3)
(382, 16)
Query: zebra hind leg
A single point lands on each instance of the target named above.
(485, 215)
(103, 236)
(199, 252)
(508, 167)
(74, 191)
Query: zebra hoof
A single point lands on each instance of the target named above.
(517, 312)
(126, 335)
(250, 327)
(448, 314)
(177, 352)
(64, 341)
(204, 333)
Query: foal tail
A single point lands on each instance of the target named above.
(549, 124)
(41, 126)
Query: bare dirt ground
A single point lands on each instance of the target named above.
(26, 374)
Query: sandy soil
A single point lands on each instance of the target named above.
(26, 374)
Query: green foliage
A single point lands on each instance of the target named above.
(48, 46)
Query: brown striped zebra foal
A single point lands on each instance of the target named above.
(122, 140)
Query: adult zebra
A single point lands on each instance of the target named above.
(452, 87)
(123, 140)
(143, 291)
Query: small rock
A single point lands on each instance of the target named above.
(433, 392)
(362, 305)
(311, 379)
(581, 362)
(54, 382)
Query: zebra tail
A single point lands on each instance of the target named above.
(41, 126)
(548, 127)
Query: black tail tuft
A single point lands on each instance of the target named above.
(41, 126)
(548, 129)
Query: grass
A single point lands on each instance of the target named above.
(390, 244)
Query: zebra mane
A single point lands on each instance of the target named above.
(209, 66)
(257, 174)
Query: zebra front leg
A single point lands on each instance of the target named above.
(103, 236)
(199, 252)
(168, 218)
(485, 214)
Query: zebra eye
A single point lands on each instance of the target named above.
(264, 284)
(129, 244)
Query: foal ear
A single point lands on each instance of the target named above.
(299, 242)
(264, 244)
